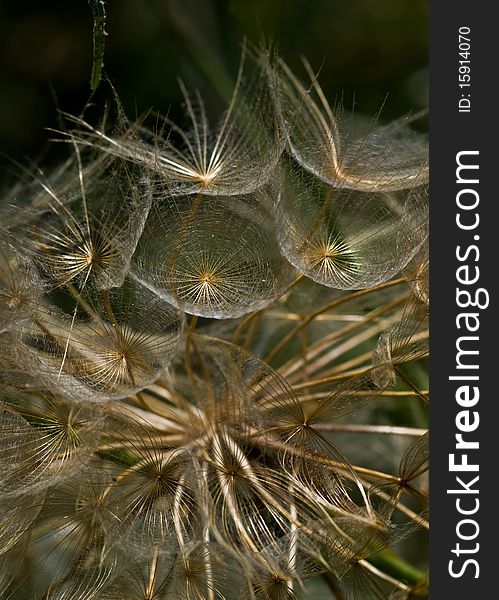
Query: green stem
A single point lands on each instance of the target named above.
(99, 13)
(396, 566)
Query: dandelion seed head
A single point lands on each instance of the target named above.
(150, 455)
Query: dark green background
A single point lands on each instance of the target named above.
(365, 49)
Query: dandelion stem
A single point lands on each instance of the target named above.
(333, 585)
(395, 565)
(81, 302)
(251, 330)
(413, 387)
(331, 379)
(375, 571)
(353, 342)
(380, 393)
(153, 568)
(246, 321)
(385, 429)
(287, 338)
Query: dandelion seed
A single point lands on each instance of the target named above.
(347, 239)
(327, 143)
(115, 343)
(237, 156)
(20, 287)
(217, 259)
(88, 240)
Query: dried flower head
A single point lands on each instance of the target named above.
(240, 453)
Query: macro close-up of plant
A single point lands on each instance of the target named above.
(214, 342)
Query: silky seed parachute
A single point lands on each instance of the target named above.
(347, 239)
(87, 234)
(236, 156)
(112, 344)
(213, 256)
(340, 148)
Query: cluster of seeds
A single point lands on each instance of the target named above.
(193, 322)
